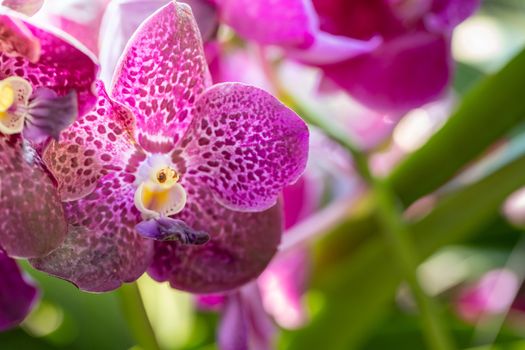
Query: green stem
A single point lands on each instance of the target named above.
(135, 313)
(390, 214)
(397, 233)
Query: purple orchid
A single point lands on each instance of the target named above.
(170, 157)
(391, 55)
(37, 100)
(18, 295)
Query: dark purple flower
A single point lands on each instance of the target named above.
(167, 144)
(17, 294)
(391, 55)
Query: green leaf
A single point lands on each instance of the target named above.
(486, 114)
(361, 286)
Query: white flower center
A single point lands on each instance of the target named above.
(158, 191)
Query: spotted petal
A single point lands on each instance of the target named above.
(102, 249)
(32, 222)
(162, 71)
(245, 145)
(17, 294)
(63, 65)
(241, 245)
(98, 143)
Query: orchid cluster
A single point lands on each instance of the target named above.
(167, 173)
(244, 150)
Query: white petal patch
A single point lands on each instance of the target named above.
(153, 203)
(14, 98)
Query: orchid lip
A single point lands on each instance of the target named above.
(159, 192)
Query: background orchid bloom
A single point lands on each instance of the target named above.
(491, 295)
(389, 55)
(40, 95)
(187, 158)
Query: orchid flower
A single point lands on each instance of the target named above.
(391, 55)
(45, 82)
(169, 157)
(37, 100)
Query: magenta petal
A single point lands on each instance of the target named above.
(446, 14)
(102, 249)
(261, 327)
(233, 329)
(17, 294)
(283, 22)
(244, 323)
(403, 73)
(95, 144)
(32, 222)
(241, 245)
(62, 66)
(245, 145)
(328, 48)
(161, 73)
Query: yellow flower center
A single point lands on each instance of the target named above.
(7, 96)
(161, 194)
(14, 97)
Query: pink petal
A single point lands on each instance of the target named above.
(403, 73)
(27, 7)
(79, 18)
(62, 66)
(121, 19)
(245, 145)
(102, 249)
(282, 286)
(233, 328)
(244, 323)
(241, 245)
(284, 22)
(446, 14)
(98, 143)
(32, 222)
(17, 294)
(161, 73)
